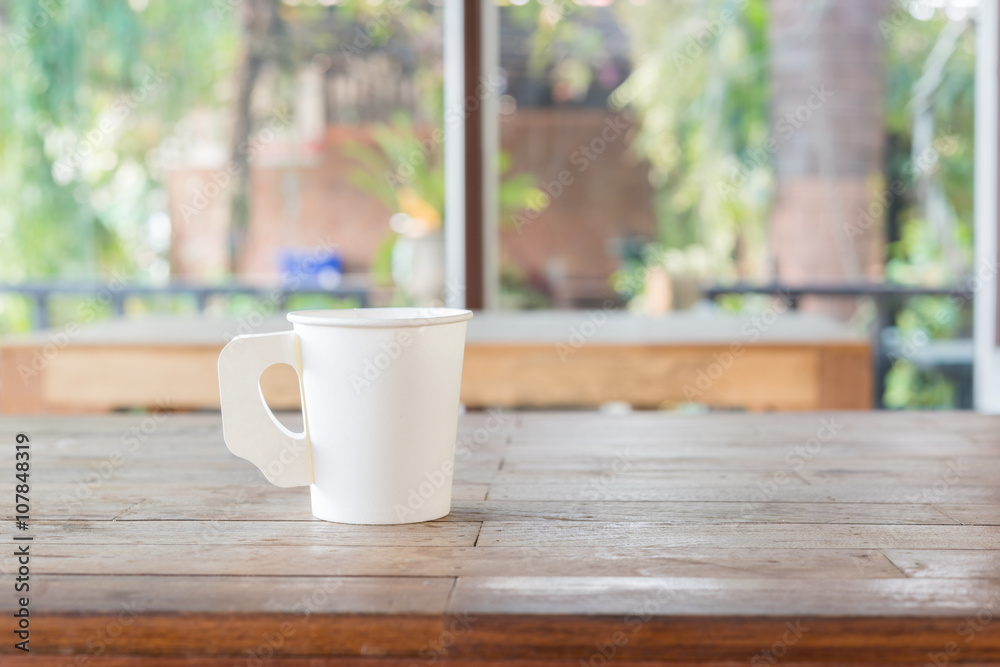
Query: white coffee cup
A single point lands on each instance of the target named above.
(380, 400)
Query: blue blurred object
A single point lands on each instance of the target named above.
(316, 267)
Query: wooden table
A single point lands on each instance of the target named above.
(797, 538)
(538, 358)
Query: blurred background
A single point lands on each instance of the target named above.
(690, 170)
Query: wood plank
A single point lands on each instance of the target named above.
(122, 503)
(736, 640)
(140, 363)
(750, 494)
(114, 500)
(935, 482)
(406, 560)
(666, 459)
(59, 594)
(698, 512)
(313, 661)
(21, 380)
(126, 376)
(647, 376)
(240, 637)
(982, 515)
(204, 534)
(679, 640)
(845, 378)
(703, 596)
(750, 536)
(947, 563)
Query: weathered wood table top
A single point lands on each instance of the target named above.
(584, 538)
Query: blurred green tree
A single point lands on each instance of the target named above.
(91, 90)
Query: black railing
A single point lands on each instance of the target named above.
(116, 294)
(887, 298)
(875, 290)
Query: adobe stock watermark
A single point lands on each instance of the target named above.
(362, 38)
(109, 122)
(221, 179)
(101, 640)
(129, 442)
(912, 170)
(783, 130)
(938, 491)
(896, 19)
(436, 480)
(86, 312)
(26, 28)
(253, 320)
(403, 338)
(581, 158)
(580, 335)
(456, 625)
(697, 43)
(628, 284)
(621, 463)
(751, 330)
(967, 630)
(796, 460)
(928, 327)
(779, 649)
(235, 508)
(606, 651)
(469, 444)
(390, 350)
(272, 642)
(490, 86)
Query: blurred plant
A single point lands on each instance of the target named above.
(930, 119)
(403, 167)
(700, 89)
(685, 269)
(517, 291)
(913, 388)
(90, 90)
(397, 166)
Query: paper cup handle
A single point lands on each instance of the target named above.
(250, 429)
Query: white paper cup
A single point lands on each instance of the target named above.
(380, 398)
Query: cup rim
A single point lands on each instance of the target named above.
(380, 318)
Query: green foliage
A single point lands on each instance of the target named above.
(919, 256)
(89, 92)
(700, 90)
(930, 252)
(517, 293)
(382, 261)
(402, 156)
(911, 387)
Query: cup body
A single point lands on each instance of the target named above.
(380, 393)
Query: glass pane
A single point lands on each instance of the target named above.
(654, 150)
(233, 143)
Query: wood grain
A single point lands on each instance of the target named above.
(695, 539)
(204, 533)
(421, 561)
(751, 536)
